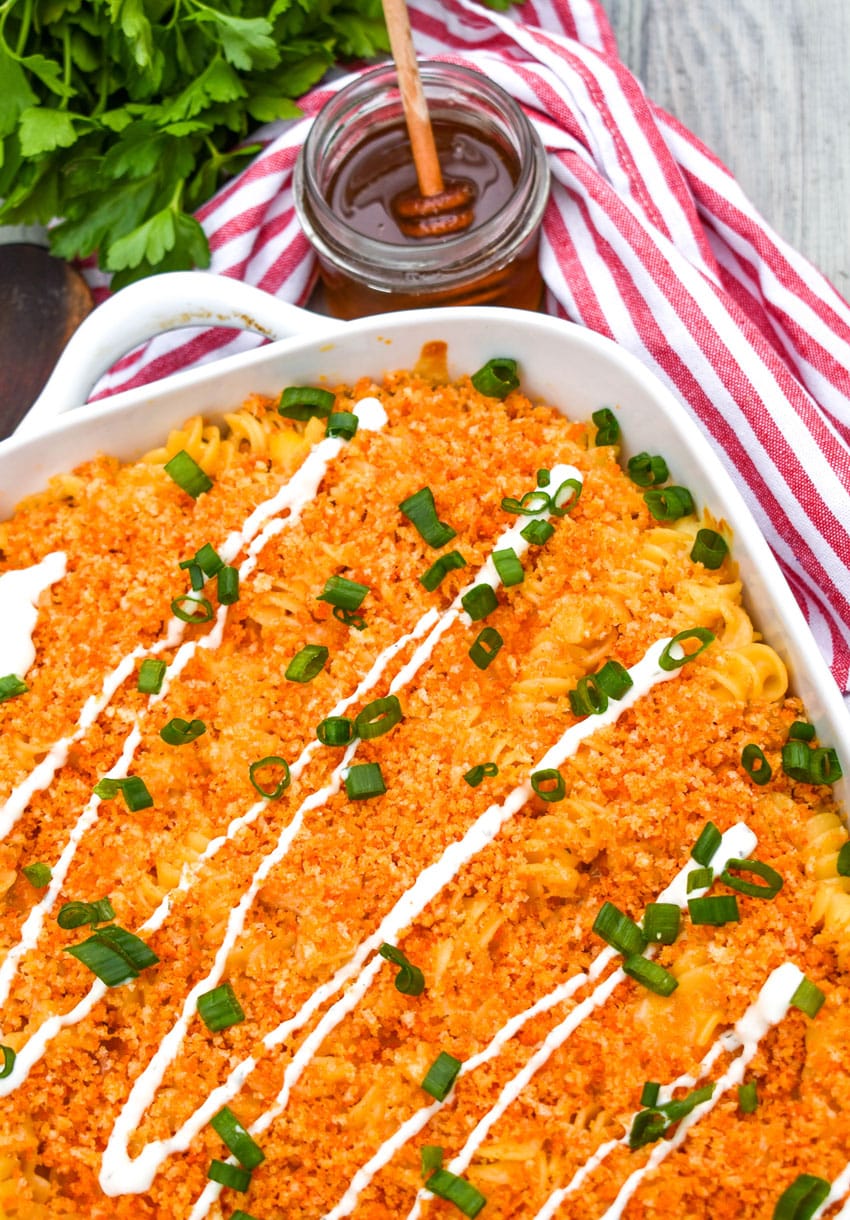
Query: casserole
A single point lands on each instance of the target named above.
(597, 377)
(562, 363)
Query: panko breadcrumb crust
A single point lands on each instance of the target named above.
(510, 926)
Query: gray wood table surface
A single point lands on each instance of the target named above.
(766, 85)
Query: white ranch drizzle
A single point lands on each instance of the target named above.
(20, 590)
(838, 1190)
(294, 496)
(769, 1008)
(645, 674)
(145, 1086)
(429, 623)
(736, 843)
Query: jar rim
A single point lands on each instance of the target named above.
(495, 239)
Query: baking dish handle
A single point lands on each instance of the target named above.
(150, 307)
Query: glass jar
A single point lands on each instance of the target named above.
(357, 157)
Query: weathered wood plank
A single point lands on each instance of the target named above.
(766, 84)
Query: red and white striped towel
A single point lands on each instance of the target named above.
(649, 240)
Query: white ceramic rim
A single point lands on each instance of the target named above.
(127, 423)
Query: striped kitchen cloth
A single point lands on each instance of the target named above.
(647, 239)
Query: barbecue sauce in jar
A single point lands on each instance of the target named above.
(356, 171)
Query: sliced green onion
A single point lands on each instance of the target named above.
(650, 975)
(114, 955)
(227, 586)
(196, 576)
(350, 617)
(192, 609)
(699, 879)
(247, 1151)
(842, 864)
(151, 674)
(532, 504)
(229, 1175)
(110, 966)
(410, 980)
(209, 560)
(709, 549)
(38, 875)
(304, 401)
(187, 474)
(549, 784)
(278, 764)
(307, 663)
(77, 914)
(508, 566)
(566, 497)
(132, 947)
(440, 568)
(795, 760)
(661, 922)
(802, 1198)
(497, 378)
(431, 1158)
(650, 1091)
(364, 781)
(801, 730)
(135, 792)
(748, 1097)
(613, 679)
(378, 717)
(588, 698)
(771, 878)
(11, 686)
(335, 731)
(103, 910)
(487, 644)
(668, 661)
(714, 910)
(133, 789)
(607, 427)
(421, 511)
(479, 601)
(441, 1075)
(544, 477)
(808, 998)
(180, 732)
(344, 593)
(755, 764)
(219, 1008)
(342, 424)
(240, 1215)
(618, 931)
(649, 1125)
(824, 767)
(537, 532)
(705, 848)
(476, 775)
(463, 1194)
(535, 502)
(8, 1065)
(669, 503)
(648, 470)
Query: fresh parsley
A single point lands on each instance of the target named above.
(118, 118)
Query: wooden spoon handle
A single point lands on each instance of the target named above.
(416, 114)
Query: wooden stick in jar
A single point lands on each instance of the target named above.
(416, 113)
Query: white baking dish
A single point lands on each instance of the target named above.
(561, 363)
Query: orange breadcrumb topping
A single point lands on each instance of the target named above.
(509, 927)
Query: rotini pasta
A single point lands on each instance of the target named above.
(347, 762)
